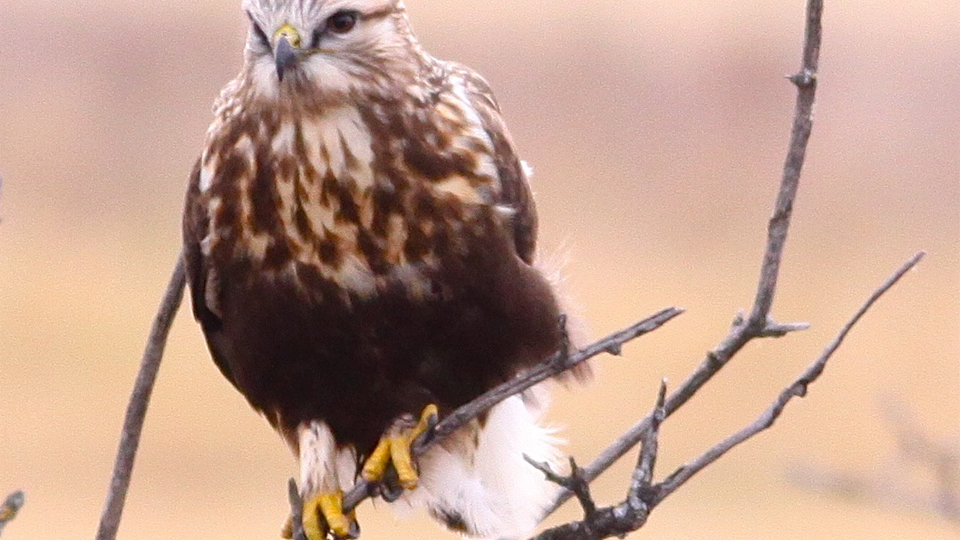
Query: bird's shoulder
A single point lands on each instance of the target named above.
(515, 193)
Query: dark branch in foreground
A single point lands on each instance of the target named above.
(642, 498)
(11, 505)
(575, 483)
(137, 406)
(759, 324)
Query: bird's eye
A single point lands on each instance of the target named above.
(342, 22)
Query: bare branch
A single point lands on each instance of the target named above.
(575, 483)
(556, 364)
(797, 389)
(137, 406)
(296, 511)
(11, 505)
(759, 324)
(619, 519)
(642, 498)
(806, 83)
(643, 474)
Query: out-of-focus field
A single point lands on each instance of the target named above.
(657, 130)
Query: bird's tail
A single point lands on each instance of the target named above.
(477, 482)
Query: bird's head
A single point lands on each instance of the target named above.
(327, 49)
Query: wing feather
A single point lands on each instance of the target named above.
(200, 276)
(516, 194)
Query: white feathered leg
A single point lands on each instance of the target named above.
(326, 471)
(477, 482)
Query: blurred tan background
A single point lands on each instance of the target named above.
(657, 130)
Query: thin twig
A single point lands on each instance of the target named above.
(643, 473)
(759, 324)
(11, 505)
(797, 389)
(137, 406)
(632, 513)
(575, 482)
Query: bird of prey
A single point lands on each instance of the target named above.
(360, 237)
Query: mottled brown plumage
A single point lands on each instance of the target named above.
(359, 231)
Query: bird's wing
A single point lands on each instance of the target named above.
(200, 276)
(515, 187)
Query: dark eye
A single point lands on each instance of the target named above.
(342, 22)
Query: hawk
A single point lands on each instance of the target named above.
(359, 236)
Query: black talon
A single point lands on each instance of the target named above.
(354, 529)
(390, 488)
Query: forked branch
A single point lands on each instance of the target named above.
(758, 324)
(631, 514)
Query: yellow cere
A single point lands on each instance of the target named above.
(290, 33)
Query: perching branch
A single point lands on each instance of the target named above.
(11, 505)
(137, 406)
(558, 363)
(759, 324)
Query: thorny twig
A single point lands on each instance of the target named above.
(575, 482)
(630, 514)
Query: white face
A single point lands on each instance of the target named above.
(331, 46)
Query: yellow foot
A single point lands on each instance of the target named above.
(323, 513)
(394, 447)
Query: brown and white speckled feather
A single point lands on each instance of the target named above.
(360, 237)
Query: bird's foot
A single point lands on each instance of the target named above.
(394, 448)
(323, 514)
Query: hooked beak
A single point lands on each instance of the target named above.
(286, 51)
